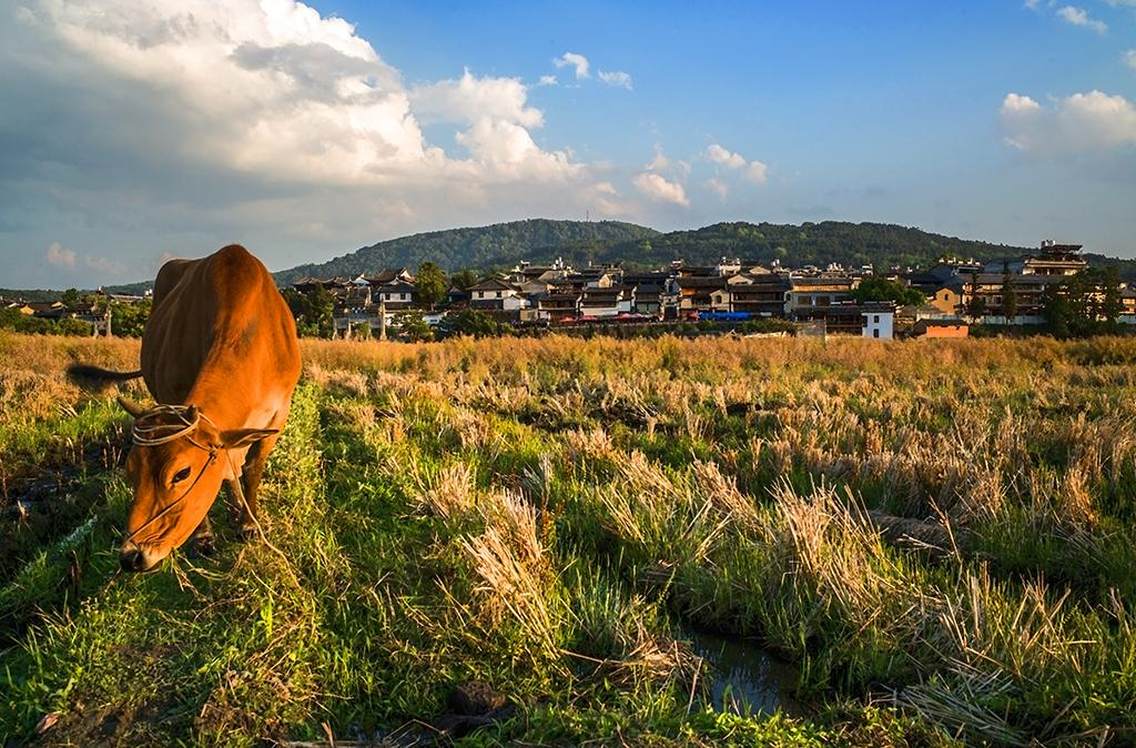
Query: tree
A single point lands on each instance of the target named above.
(976, 306)
(413, 328)
(1079, 291)
(1112, 303)
(1009, 297)
(70, 297)
(1055, 309)
(314, 311)
(128, 319)
(463, 279)
(881, 289)
(431, 284)
(471, 322)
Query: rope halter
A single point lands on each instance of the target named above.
(153, 427)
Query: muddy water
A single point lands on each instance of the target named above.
(744, 678)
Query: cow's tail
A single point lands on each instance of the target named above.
(87, 374)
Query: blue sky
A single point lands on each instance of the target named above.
(141, 135)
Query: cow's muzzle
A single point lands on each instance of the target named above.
(132, 558)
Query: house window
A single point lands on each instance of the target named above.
(876, 318)
(875, 333)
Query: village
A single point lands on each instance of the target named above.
(944, 301)
(947, 300)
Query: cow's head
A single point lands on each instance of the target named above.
(175, 482)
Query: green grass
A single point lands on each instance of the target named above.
(368, 623)
(551, 525)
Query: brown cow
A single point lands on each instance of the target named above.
(221, 357)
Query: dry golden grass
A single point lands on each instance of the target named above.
(562, 492)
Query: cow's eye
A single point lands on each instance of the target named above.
(181, 475)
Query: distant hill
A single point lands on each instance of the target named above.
(480, 248)
(850, 244)
(39, 294)
(502, 245)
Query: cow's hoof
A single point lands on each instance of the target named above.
(248, 533)
(201, 546)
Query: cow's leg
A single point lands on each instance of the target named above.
(201, 542)
(252, 473)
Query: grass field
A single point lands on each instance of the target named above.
(938, 538)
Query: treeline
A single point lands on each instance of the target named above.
(850, 244)
(483, 247)
(1088, 303)
(11, 319)
(1082, 305)
(128, 319)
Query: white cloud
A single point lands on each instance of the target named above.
(547, 80)
(658, 188)
(574, 60)
(616, 78)
(262, 120)
(1130, 58)
(660, 161)
(718, 187)
(1016, 103)
(720, 155)
(757, 172)
(60, 256)
(470, 99)
(1080, 17)
(1032, 4)
(1083, 122)
(510, 151)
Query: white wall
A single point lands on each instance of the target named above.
(879, 325)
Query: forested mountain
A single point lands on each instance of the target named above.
(850, 244)
(504, 244)
(480, 248)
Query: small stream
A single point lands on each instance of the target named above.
(744, 678)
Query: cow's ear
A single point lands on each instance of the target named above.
(244, 437)
(133, 408)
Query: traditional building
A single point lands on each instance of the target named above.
(695, 291)
(389, 275)
(948, 298)
(761, 295)
(651, 291)
(608, 301)
(879, 320)
(842, 318)
(940, 328)
(398, 295)
(559, 306)
(987, 292)
(808, 293)
(495, 294)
